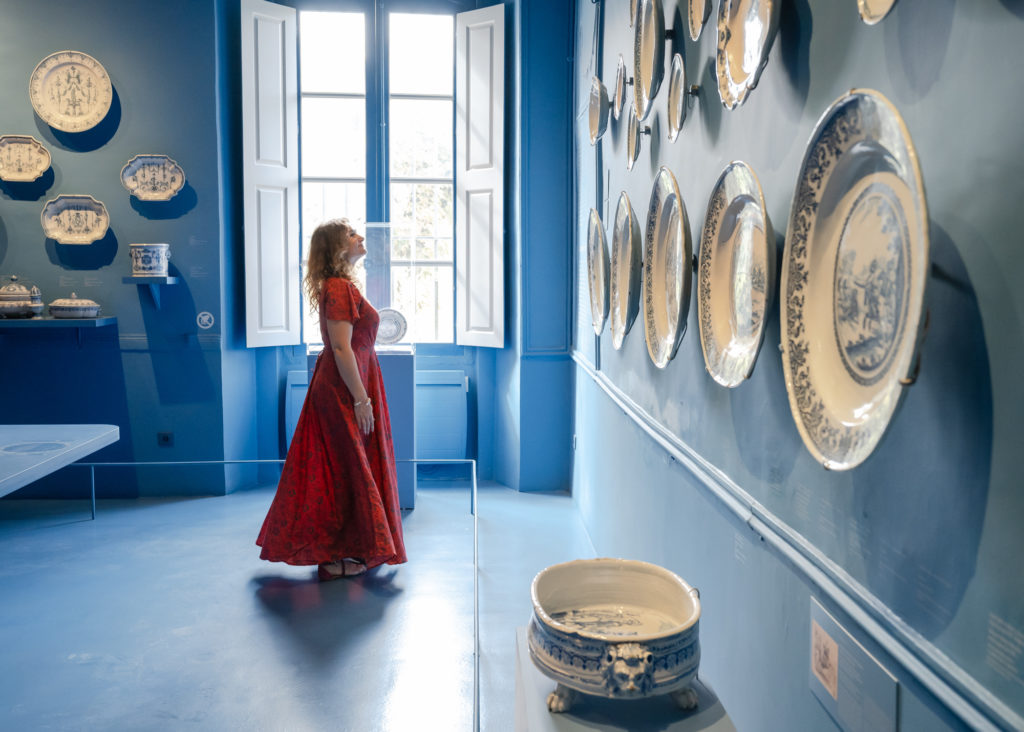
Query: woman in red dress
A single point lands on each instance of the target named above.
(337, 501)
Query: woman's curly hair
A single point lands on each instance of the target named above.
(324, 258)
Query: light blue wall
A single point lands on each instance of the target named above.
(915, 540)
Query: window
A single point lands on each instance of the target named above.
(377, 146)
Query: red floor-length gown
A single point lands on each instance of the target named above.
(338, 494)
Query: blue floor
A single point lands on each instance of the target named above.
(160, 615)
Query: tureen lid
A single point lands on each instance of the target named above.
(74, 302)
(14, 290)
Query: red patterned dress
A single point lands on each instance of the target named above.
(338, 494)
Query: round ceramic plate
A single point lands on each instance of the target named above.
(872, 11)
(853, 278)
(697, 16)
(70, 91)
(621, 82)
(598, 112)
(624, 285)
(632, 13)
(632, 139)
(746, 29)
(736, 277)
(648, 55)
(597, 271)
(392, 326)
(676, 97)
(667, 270)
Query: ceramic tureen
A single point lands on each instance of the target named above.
(18, 301)
(615, 628)
(74, 307)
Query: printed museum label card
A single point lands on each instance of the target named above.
(855, 689)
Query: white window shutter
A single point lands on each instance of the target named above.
(270, 169)
(479, 177)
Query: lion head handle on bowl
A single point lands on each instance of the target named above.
(627, 670)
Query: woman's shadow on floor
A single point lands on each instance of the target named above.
(309, 610)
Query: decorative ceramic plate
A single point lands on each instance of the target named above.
(648, 55)
(676, 97)
(872, 11)
(152, 177)
(392, 326)
(736, 278)
(70, 91)
(632, 12)
(633, 133)
(668, 270)
(22, 158)
(624, 284)
(598, 111)
(621, 82)
(853, 278)
(746, 29)
(697, 16)
(597, 271)
(75, 219)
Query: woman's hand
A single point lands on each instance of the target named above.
(364, 416)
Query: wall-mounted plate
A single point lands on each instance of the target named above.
(152, 177)
(22, 158)
(648, 55)
(872, 11)
(697, 16)
(746, 29)
(736, 276)
(621, 82)
(676, 97)
(70, 91)
(853, 278)
(624, 282)
(632, 138)
(597, 271)
(598, 110)
(668, 270)
(75, 219)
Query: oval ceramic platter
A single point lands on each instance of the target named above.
(736, 277)
(22, 158)
(697, 15)
(648, 55)
(872, 11)
(75, 219)
(622, 80)
(676, 97)
(746, 29)
(853, 278)
(624, 284)
(70, 91)
(667, 270)
(152, 177)
(392, 326)
(598, 110)
(597, 271)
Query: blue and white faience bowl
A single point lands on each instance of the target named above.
(615, 628)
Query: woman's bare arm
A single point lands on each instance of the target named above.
(340, 334)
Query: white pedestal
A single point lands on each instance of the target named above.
(594, 713)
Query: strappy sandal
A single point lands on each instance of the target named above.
(349, 568)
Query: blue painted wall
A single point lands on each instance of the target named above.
(156, 370)
(913, 545)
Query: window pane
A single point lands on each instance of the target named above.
(421, 138)
(332, 52)
(421, 60)
(423, 295)
(423, 208)
(323, 201)
(333, 138)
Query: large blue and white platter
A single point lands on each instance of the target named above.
(736, 276)
(853, 278)
(668, 270)
(597, 271)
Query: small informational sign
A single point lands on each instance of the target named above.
(205, 320)
(859, 693)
